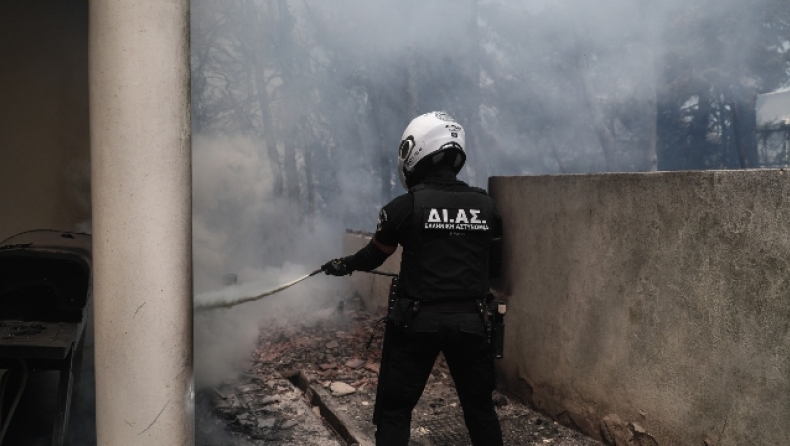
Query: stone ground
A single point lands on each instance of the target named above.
(314, 385)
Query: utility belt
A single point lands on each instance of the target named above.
(401, 310)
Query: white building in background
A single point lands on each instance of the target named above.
(773, 128)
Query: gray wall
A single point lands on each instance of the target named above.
(658, 299)
(44, 142)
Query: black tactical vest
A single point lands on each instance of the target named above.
(450, 257)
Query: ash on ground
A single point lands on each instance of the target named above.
(329, 349)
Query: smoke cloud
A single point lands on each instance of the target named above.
(239, 228)
(298, 109)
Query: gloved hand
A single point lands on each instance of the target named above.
(337, 267)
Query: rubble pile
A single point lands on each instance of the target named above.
(336, 352)
(328, 348)
(257, 413)
(331, 349)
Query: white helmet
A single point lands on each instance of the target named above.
(435, 134)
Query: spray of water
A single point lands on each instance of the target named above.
(221, 299)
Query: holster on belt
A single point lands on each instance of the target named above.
(400, 311)
(495, 325)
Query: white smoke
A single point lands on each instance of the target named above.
(78, 179)
(240, 228)
(536, 53)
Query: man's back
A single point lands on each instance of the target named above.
(445, 228)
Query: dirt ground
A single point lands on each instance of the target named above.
(314, 384)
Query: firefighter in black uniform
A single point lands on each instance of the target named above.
(450, 233)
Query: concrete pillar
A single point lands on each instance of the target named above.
(141, 181)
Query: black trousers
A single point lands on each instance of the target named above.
(412, 357)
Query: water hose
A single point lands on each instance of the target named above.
(233, 302)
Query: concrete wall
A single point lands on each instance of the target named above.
(142, 221)
(44, 148)
(659, 299)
